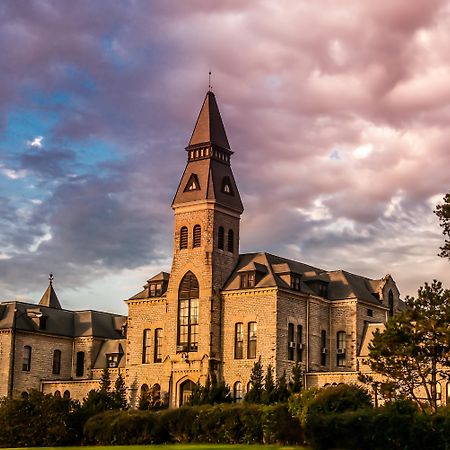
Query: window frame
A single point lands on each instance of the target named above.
(221, 238)
(323, 347)
(196, 236)
(230, 241)
(341, 338)
(252, 340)
(80, 362)
(184, 238)
(239, 340)
(188, 323)
(56, 365)
(158, 345)
(291, 342)
(26, 358)
(238, 389)
(146, 346)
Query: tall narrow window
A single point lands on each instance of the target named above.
(291, 342)
(323, 348)
(26, 361)
(183, 238)
(56, 362)
(221, 238)
(251, 345)
(239, 341)
(147, 348)
(237, 392)
(197, 236)
(158, 345)
(391, 303)
(79, 371)
(299, 343)
(230, 241)
(340, 348)
(188, 304)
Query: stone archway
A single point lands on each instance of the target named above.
(186, 389)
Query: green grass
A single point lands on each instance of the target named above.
(175, 447)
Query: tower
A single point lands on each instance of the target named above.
(207, 209)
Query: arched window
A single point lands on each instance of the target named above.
(26, 361)
(183, 238)
(56, 362)
(230, 241)
(391, 303)
(186, 389)
(58, 394)
(79, 372)
(197, 236)
(66, 394)
(188, 304)
(237, 392)
(221, 239)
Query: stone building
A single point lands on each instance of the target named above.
(217, 311)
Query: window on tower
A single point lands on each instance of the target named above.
(221, 239)
(226, 186)
(230, 241)
(188, 305)
(192, 184)
(183, 238)
(196, 236)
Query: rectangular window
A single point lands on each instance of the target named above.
(26, 361)
(340, 348)
(299, 343)
(158, 345)
(56, 362)
(247, 280)
(147, 349)
(251, 347)
(323, 348)
(239, 341)
(295, 282)
(156, 290)
(291, 342)
(112, 360)
(80, 364)
(194, 325)
(370, 312)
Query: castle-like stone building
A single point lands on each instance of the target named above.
(217, 311)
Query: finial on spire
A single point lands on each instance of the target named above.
(209, 82)
(50, 278)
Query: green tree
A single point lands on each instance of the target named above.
(296, 382)
(443, 213)
(213, 392)
(269, 395)
(119, 395)
(255, 393)
(414, 348)
(105, 381)
(282, 392)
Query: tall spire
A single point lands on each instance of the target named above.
(50, 298)
(209, 128)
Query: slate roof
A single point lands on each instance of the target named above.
(111, 346)
(50, 298)
(341, 284)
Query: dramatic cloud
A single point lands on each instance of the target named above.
(338, 120)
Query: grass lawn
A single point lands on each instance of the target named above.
(176, 447)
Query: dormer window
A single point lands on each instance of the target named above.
(192, 184)
(323, 290)
(247, 280)
(295, 282)
(155, 289)
(112, 360)
(226, 186)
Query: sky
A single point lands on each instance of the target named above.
(337, 113)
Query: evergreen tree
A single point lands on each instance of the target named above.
(270, 394)
(144, 400)
(105, 381)
(443, 213)
(296, 383)
(120, 393)
(254, 394)
(282, 392)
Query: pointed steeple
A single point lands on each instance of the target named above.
(209, 127)
(50, 298)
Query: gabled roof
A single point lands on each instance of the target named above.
(209, 127)
(161, 276)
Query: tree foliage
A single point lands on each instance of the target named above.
(119, 395)
(296, 382)
(255, 393)
(212, 393)
(443, 213)
(414, 348)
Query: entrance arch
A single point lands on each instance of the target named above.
(186, 389)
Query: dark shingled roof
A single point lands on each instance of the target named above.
(209, 127)
(341, 284)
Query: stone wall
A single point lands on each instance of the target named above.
(5, 361)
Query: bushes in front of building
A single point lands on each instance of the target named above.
(39, 420)
(226, 424)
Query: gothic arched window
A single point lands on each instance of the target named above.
(230, 242)
(183, 238)
(188, 304)
(196, 236)
(221, 239)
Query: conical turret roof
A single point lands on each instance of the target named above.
(209, 127)
(50, 298)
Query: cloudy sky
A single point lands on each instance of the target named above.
(337, 112)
